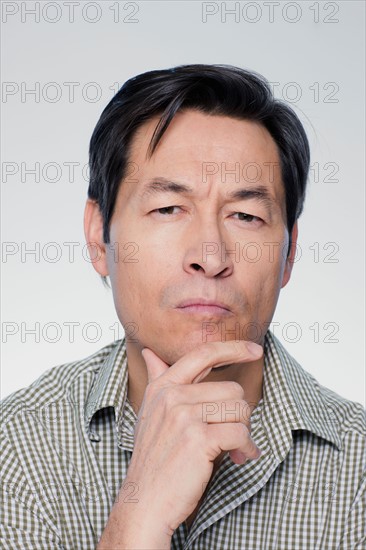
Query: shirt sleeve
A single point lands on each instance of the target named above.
(354, 534)
(22, 526)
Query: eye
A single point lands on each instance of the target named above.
(247, 217)
(165, 210)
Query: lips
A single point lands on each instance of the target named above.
(202, 304)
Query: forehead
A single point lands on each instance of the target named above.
(197, 132)
(197, 144)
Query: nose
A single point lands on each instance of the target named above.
(207, 250)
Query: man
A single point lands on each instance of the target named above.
(197, 430)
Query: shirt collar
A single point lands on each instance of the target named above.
(292, 399)
(109, 389)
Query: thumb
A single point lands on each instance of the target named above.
(155, 366)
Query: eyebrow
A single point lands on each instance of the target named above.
(259, 193)
(163, 185)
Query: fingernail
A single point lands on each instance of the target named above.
(259, 453)
(254, 348)
(243, 458)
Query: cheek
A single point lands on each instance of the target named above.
(262, 278)
(138, 277)
(259, 262)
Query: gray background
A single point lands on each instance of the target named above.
(313, 50)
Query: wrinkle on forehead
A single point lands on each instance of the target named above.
(193, 138)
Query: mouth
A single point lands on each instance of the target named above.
(201, 306)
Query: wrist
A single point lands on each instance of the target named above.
(135, 525)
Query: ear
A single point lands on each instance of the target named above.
(291, 257)
(93, 230)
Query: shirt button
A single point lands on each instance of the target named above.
(93, 436)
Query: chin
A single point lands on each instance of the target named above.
(170, 350)
(178, 349)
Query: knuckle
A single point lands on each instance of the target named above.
(241, 432)
(204, 353)
(245, 412)
(236, 389)
(249, 444)
(181, 416)
(192, 434)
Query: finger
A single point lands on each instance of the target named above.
(213, 412)
(154, 365)
(207, 391)
(229, 437)
(237, 457)
(201, 360)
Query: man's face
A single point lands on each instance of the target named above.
(168, 247)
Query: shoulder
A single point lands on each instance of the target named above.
(320, 409)
(60, 382)
(350, 414)
(346, 417)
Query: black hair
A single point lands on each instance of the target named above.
(212, 89)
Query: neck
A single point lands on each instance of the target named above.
(248, 375)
